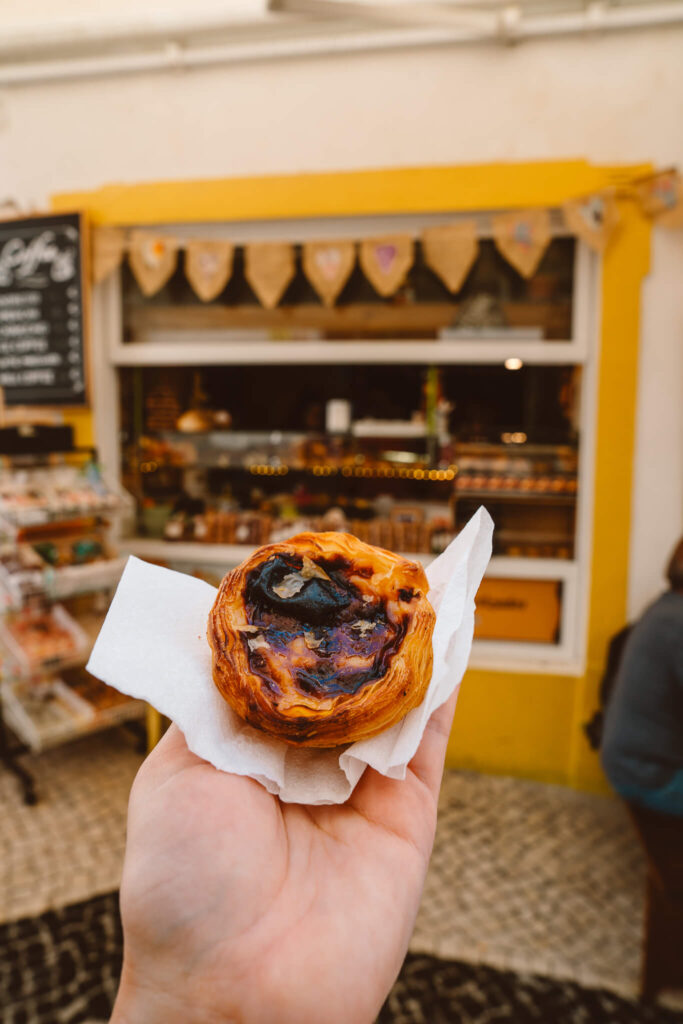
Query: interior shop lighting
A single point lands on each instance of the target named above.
(513, 363)
(399, 456)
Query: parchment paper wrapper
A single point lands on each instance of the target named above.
(153, 646)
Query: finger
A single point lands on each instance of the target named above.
(173, 748)
(170, 756)
(428, 761)
(401, 807)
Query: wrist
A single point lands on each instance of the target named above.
(136, 1005)
(139, 1002)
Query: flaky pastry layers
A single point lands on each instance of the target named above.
(322, 640)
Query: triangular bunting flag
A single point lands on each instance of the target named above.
(450, 251)
(592, 219)
(108, 246)
(208, 267)
(328, 266)
(152, 259)
(269, 268)
(522, 238)
(661, 197)
(386, 262)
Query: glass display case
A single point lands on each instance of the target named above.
(202, 470)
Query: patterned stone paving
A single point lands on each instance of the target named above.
(524, 877)
(63, 966)
(527, 877)
(69, 846)
(432, 991)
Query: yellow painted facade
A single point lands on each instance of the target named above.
(507, 722)
(81, 421)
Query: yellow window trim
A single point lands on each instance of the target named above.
(348, 193)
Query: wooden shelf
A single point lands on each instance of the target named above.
(70, 715)
(358, 319)
(538, 497)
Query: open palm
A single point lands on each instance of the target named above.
(238, 907)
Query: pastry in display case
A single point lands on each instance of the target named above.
(94, 692)
(530, 490)
(44, 712)
(21, 574)
(407, 484)
(47, 712)
(38, 494)
(57, 571)
(40, 637)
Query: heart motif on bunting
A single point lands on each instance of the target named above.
(208, 267)
(328, 262)
(522, 238)
(207, 262)
(152, 259)
(328, 266)
(593, 219)
(385, 255)
(386, 262)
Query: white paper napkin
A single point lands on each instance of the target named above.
(153, 646)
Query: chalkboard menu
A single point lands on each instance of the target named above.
(41, 311)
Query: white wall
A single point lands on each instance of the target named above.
(612, 99)
(657, 504)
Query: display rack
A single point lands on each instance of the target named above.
(57, 569)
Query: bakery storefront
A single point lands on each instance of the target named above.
(383, 352)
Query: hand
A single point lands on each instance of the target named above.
(239, 908)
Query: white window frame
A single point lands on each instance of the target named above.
(179, 348)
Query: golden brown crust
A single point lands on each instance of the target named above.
(263, 669)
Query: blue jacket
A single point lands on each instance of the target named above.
(642, 746)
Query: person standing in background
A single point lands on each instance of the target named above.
(642, 744)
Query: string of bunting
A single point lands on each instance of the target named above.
(521, 236)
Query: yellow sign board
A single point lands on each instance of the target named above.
(513, 609)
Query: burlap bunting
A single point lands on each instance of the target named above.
(661, 197)
(328, 266)
(152, 259)
(386, 261)
(593, 219)
(522, 237)
(450, 251)
(208, 267)
(269, 268)
(108, 247)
